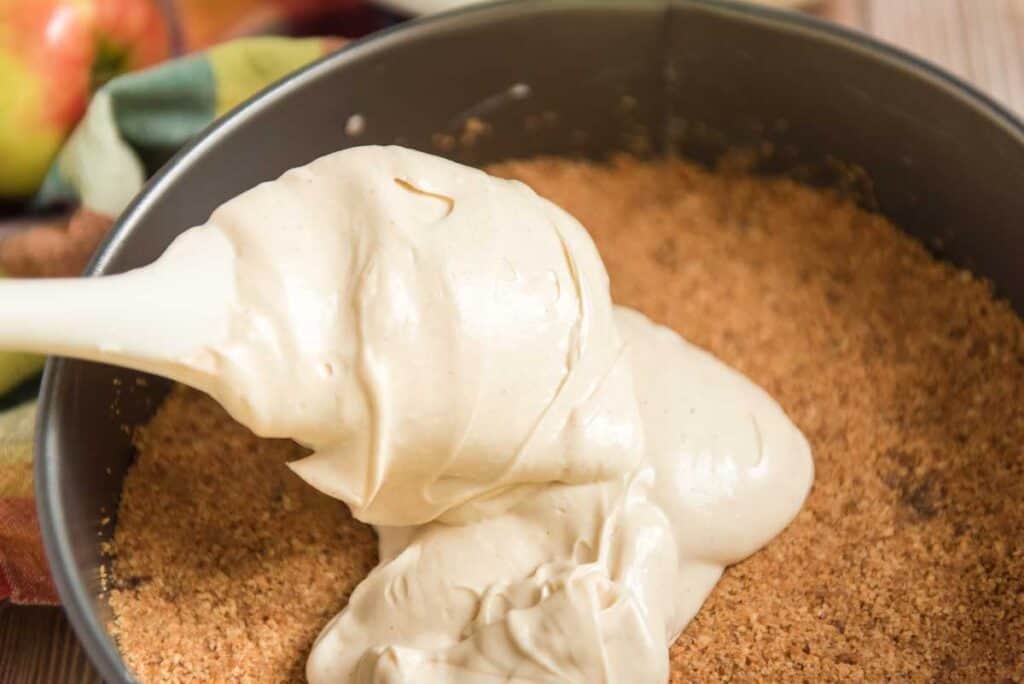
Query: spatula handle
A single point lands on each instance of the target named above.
(157, 319)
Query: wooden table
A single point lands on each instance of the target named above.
(37, 645)
(979, 40)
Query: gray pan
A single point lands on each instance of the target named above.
(688, 76)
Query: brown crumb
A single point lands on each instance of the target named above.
(225, 565)
(906, 374)
(472, 130)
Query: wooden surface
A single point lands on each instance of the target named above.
(37, 645)
(980, 40)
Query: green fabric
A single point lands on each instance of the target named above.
(133, 125)
(104, 188)
(55, 189)
(244, 67)
(159, 110)
(139, 120)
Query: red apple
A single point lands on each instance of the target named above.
(53, 54)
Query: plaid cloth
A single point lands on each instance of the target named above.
(132, 125)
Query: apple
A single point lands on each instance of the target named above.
(53, 55)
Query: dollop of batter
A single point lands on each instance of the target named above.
(585, 583)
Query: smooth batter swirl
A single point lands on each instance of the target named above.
(585, 583)
(442, 340)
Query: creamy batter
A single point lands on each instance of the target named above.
(557, 484)
(585, 583)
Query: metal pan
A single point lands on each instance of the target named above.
(572, 77)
